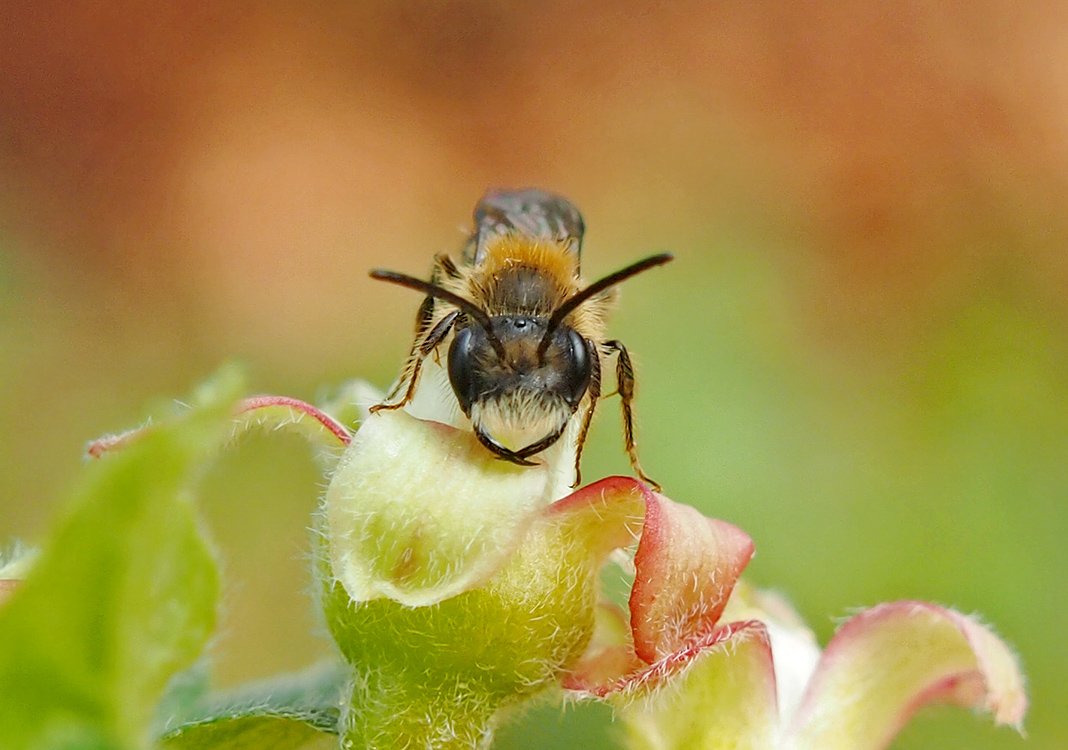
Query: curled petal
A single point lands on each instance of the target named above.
(685, 569)
(280, 412)
(276, 412)
(609, 654)
(718, 692)
(114, 441)
(685, 566)
(793, 645)
(887, 662)
(418, 511)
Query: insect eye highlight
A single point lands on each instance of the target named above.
(461, 367)
(579, 368)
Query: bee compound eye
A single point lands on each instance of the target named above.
(461, 367)
(578, 368)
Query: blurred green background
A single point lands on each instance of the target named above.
(859, 355)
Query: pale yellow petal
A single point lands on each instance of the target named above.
(418, 512)
(889, 661)
(714, 695)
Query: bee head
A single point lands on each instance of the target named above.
(519, 378)
(502, 375)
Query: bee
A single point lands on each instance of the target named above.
(524, 335)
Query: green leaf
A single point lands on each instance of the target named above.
(286, 713)
(252, 732)
(122, 596)
(184, 697)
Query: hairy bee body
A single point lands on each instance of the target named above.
(523, 336)
(523, 280)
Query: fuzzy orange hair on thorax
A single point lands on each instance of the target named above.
(521, 274)
(556, 259)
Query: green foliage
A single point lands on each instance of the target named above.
(252, 732)
(297, 712)
(123, 596)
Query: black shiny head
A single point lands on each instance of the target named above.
(523, 375)
(479, 372)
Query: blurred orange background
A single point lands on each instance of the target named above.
(859, 355)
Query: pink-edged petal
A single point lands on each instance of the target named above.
(605, 515)
(717, 692)
(685, 566)
(115, 441)
(889, 661)
(609, 655)
(283, 412)
(275, 412)
(685, 569)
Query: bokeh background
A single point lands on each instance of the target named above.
(859, 356)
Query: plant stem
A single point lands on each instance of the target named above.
(388, 715)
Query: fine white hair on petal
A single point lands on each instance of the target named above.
(418, 512)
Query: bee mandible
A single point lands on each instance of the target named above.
(524, 335)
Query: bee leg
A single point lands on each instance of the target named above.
(587, 417)
(415, 363)
(625, 386)
(443, 264)
(422, 323)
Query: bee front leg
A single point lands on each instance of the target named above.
(595, 395)
(443, 265)
(625, 386)
(422, 323)
(415, 363)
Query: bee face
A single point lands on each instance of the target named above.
(527, 336)
(513, 386)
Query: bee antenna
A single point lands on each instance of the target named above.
(594, 289)
(472, 310)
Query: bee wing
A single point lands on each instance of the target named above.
(531, 212)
